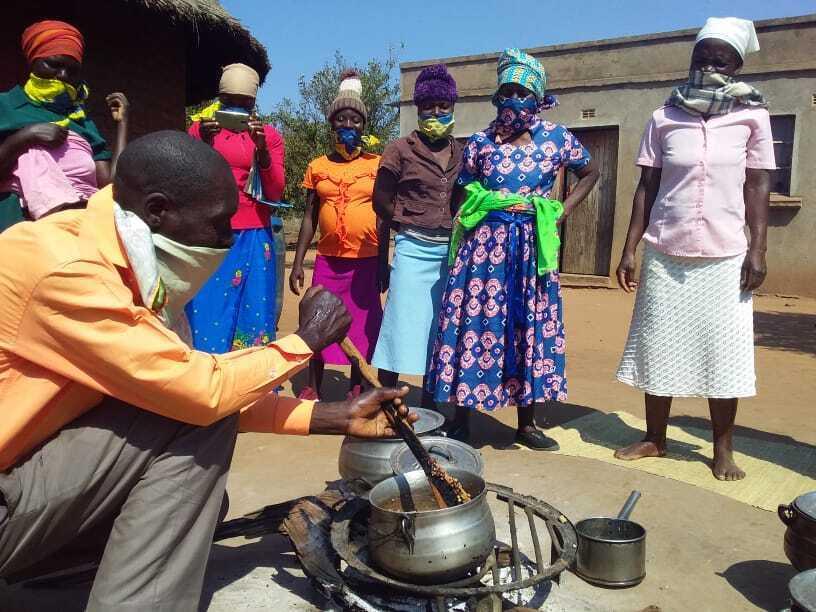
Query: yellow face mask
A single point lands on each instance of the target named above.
(435, 128)
(57, 96)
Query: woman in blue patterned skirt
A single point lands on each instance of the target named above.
(501, 339)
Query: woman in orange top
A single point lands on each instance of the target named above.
(339, 189)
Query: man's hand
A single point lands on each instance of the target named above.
(47, 135)
(323, 319)
(208, 130)
(118, 105)
(362, 416)
(753, 272)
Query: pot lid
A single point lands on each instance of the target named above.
(448, 452)
(802, 589)
(806, 504)
(429, 420)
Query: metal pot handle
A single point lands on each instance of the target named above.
(439, 450)
(408, 531)
(786, 514)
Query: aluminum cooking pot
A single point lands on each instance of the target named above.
(433, 546)
(802, 588)
(370, 460)
(800, 536)
(612, 551)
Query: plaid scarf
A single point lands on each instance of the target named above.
(711, 93)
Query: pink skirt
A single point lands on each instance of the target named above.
(355, 282)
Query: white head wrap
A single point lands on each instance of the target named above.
(739, 33)
(239, 79)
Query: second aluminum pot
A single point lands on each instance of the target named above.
(612, 551)
(370, 460)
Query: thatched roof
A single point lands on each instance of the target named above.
(214, 39)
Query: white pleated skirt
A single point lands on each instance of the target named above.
(692, 330)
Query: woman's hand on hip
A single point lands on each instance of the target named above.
(754, 270)
(626, 272)
(119, 106)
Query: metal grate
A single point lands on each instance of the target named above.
(588, 113)
(813, 99)
(348, 538)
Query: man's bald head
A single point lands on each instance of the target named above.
(181, 187)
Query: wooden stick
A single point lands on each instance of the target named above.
(404, 430)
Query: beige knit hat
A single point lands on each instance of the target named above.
(349, 95)
(239, 79)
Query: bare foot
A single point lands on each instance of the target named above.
(725, 468)
(639, 450)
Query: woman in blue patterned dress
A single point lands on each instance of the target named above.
(501, 338)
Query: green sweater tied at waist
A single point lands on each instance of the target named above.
(479, 202)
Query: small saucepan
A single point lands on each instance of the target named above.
(612, 551)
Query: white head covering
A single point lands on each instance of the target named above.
(239, 79)
(739, 33)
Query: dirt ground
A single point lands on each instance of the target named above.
(705, 552)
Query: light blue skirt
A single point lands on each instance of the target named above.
(419, 273)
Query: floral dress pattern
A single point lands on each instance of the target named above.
(501, 339)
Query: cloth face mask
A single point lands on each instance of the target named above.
(515, 115)
(184, 270)
(57, 96)
(348, 142)
(436, 127)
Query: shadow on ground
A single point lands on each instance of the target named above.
(762, 583)
(786, 331)
(270, 559)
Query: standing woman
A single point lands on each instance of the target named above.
(238, 307)
(501, 337)
(412, 193)
(706, 158)
(52, 156)
(339, 189)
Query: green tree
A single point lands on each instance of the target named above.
(303, 122)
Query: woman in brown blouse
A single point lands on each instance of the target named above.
(412, 194)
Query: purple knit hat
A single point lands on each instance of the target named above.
(434, 83)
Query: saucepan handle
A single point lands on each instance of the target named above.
(786, 514)
(634, 496)
(407, 529)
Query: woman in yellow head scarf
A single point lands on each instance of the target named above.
(52, 155)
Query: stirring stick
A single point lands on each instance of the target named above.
(402, 428)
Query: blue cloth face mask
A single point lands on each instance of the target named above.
(515, 115)
(517, 105)
(348, 142)
(349, 137)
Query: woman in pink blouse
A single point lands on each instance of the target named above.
(706, 158)
(238, 307)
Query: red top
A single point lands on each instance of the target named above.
(239, 150)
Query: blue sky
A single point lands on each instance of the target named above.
(300, 35)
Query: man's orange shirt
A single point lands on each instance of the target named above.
(73, 330)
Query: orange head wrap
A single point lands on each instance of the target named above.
(47, 38)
